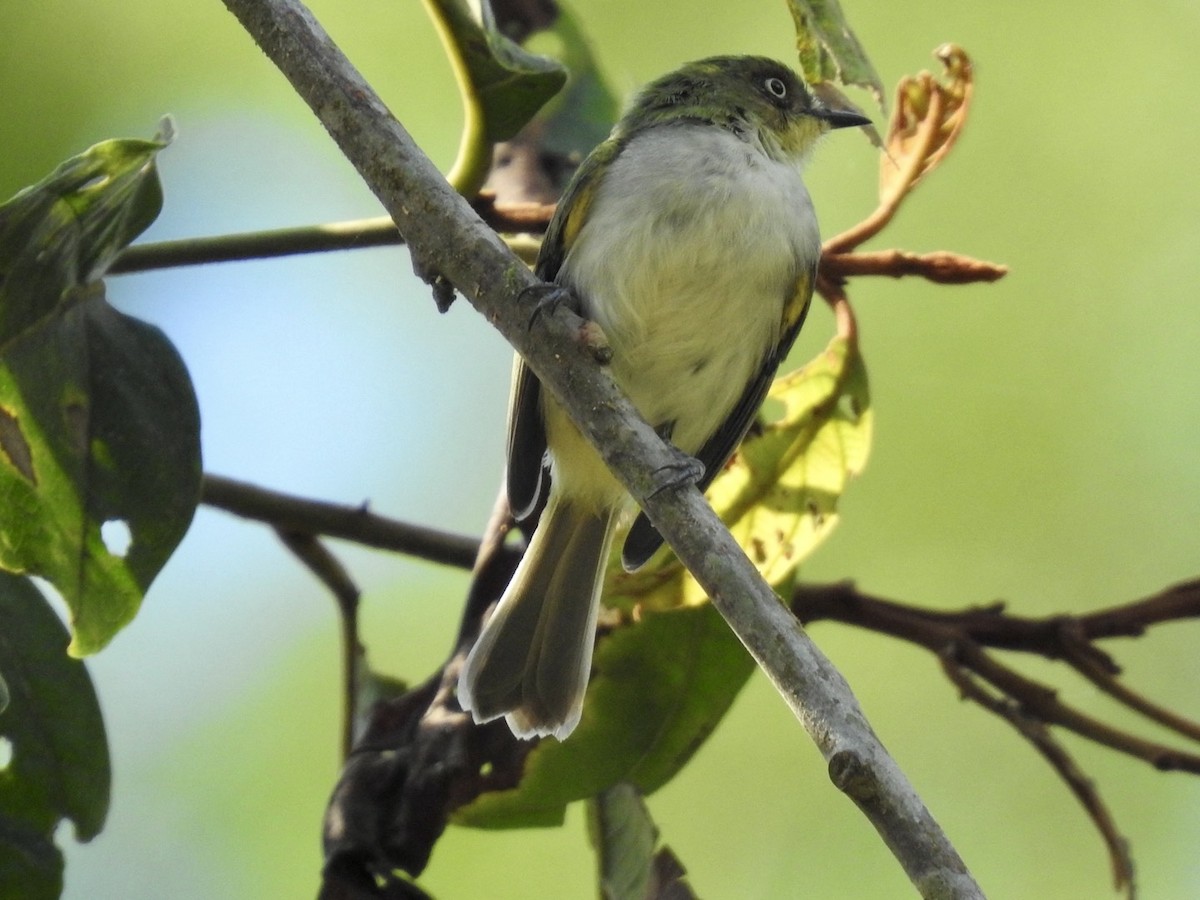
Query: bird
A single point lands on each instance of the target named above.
(689, 238)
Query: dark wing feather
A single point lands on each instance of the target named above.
(528, 476)
(643, 539)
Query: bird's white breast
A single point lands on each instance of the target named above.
(693, 244)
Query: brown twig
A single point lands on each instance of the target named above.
(331, 573)
(352, 523)
(941, 267)
(960, 640)
(1065, 638)
(1042, 740)
(927, 119)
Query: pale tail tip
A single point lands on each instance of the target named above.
(523, 723)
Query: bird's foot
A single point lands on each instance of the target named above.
(590, 334)
(683, 469)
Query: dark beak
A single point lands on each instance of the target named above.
(841, 118)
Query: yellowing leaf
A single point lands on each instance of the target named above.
(780, 492)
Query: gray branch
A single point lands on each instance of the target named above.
(446, 237)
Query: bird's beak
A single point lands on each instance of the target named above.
(840, 118)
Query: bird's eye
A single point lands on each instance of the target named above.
(775, 87)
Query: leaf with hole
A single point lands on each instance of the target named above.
(98, 420)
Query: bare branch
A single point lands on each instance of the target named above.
(1066, 638)
(1053, 752)
(959, 640)
(940, 267)
(352, 523)
(1180, 601)
(359, 234)
(331, 573)
(1043, 702)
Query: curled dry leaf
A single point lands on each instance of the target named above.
(928, 117)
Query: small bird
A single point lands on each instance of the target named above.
(689, 238)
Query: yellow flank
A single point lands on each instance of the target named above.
(577, 216)
(796, 305)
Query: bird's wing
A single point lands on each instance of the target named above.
(528, 478)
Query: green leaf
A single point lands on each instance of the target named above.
(538, 162)
(624, 836)
(508, 84)
(98, 420)
(658, 688)
(582, 115)
(829, 50)
(59, 765)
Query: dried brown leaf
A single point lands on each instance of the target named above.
(928, 117)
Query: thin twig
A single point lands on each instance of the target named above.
(1180, 601)
(1039, 736)
(1044, 703)
(357, 234)
(352, 523)
(331, 573)
(1066, 638)
(352, 235)
(959, 640)
(940, 267)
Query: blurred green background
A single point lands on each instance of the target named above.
(1036, 441)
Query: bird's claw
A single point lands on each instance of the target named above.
(550, 297)
(682, 470)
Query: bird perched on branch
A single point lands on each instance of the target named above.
(689, 238)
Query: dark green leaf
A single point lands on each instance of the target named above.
(658, 689)
(98, 421)
(509, 84)
(59, 766)
(582, 115)
(536, 164)
(828, 49)
(624, 836)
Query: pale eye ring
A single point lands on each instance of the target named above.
(775, 87)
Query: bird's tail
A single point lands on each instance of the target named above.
(533, 658)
